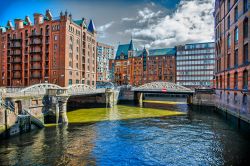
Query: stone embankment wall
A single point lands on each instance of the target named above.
(15, 121)
(233, 105)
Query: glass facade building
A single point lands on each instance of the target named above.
(195, 64)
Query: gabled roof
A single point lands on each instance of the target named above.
(158, 52)
(162, 51)
(91, 27)
(80, 22)
(122, 49)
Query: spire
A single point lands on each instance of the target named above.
(48, 14)
(131, 45)
(27, 20)
(9, 24)
(91, 27)
(84, 22)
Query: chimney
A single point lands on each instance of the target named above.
(48, 14)
(38, 18)
(18, 24)
(27, 20)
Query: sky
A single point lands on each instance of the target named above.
(151, 23)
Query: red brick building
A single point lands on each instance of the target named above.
(139, 67)
(232, 81)
(56, 50)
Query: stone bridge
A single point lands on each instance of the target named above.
(161, 87)
(40, 100)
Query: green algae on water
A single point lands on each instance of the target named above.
(119, 112)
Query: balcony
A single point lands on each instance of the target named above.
(16, 69)
(36, 52)
(16, 39)
(36, 76)
(16, 53)
(34, 43)
(16, 46)
(17, 77)
(36, 67)
(35, 59)
(16, 60)
(36, 35)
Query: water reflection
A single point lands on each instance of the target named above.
(196, 138)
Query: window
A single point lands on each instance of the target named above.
(245, 28)
(77, 81)
(55, 37)
(228, 81)
(236, 35)
(217, 82)
(228, 22)
(245, 53)
(228, 61)
(245, 79)
(235, 98)
(235, 13)
(55, 46)
(245, 6)
(235, 80)
(236, 58)
(70, 81)
(228, 5)
(228, 41)
(244, 101)
(220, 81)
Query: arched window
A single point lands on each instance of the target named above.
(236, 35)
(228, 5)
(228, 61)
(235, 13)
(236, 57)
(217, 82)
(220, 81)
(228, 40)
(245, 79)
(244, 101)
(236, 80)
(245, 54)
(235, 98)
(245, 28)
(228, 81)
(228, 97)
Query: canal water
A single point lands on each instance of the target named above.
(155, 133)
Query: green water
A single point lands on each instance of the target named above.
(120, 112)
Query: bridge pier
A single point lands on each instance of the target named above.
(58, 106)
(63, 118)
(190, 99)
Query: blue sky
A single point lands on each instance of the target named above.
(153, 23)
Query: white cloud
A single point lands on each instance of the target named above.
(191, 22)
(145, 15)
(101, 29)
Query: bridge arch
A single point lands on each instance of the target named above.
(40, 88)
(80, 88)
(105, 85)
(160, 86)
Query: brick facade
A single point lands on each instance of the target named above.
(56, 50)
(232, 81)
(139, 67)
